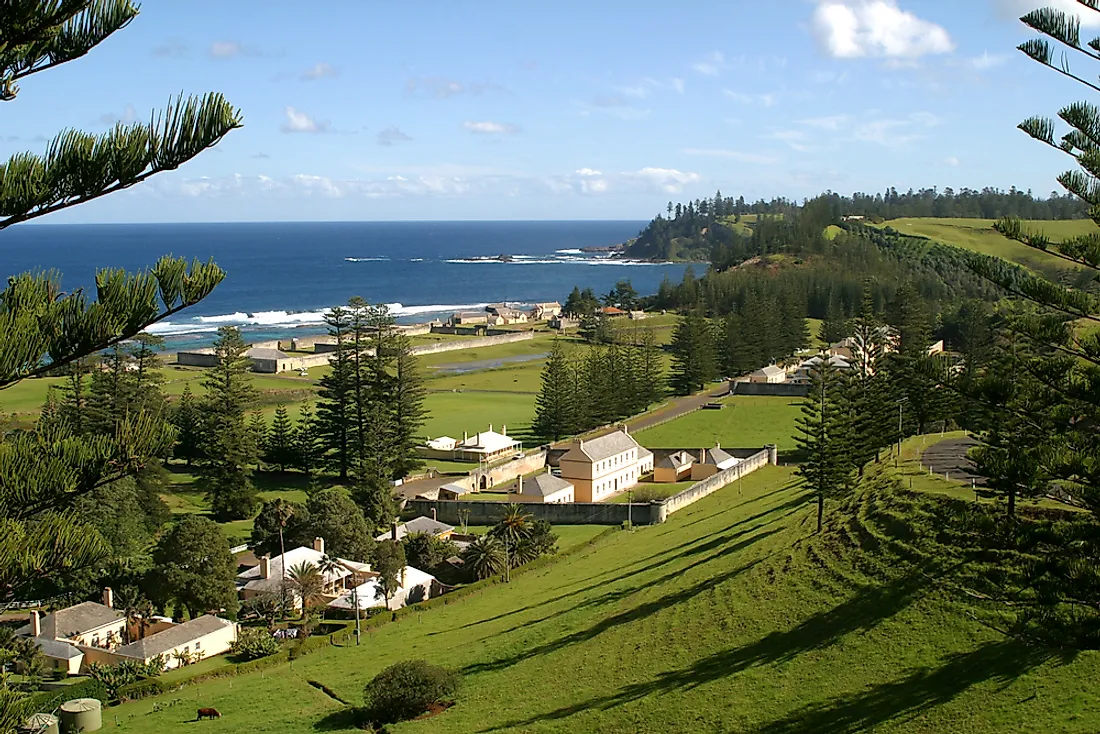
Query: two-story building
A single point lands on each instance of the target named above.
(600, 467)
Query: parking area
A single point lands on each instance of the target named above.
(949, 457)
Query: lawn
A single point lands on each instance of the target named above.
(978, 235)
(656, 490)
(522, 378)
(746, 422)
(720, 620)
(452, 413)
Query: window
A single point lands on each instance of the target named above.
(198, 646)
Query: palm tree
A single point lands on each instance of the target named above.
(514, 527)
(138, 610)
(330, 565)
(309, 584)
(485, 557)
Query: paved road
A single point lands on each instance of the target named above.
(949, 457)
(678, 407)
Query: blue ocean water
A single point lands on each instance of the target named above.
(282, 276)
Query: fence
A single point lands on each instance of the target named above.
(699, 490)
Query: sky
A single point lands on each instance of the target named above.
(438, 110)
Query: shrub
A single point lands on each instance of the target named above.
(141, 689)
(254, 642)
(406, 689)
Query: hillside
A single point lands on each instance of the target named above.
(978, 235)
(730, 617)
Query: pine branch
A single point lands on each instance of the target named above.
(1081, 250)
(1040, 50)
(79, 167)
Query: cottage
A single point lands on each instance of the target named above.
(561, 323)
(542, 488)
(267, 576)
(612, 311)
(420, 524)
(673, 467)
(638, 315)
(469, 317)
(486, 446)
(414, 586)
(192, 641)
(770, 374)
(505, 315)
(600, 467)
(712, 461)
(803, 374)
(272, 361)
(545, 311)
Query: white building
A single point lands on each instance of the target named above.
(415, 586)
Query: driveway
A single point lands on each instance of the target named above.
(679, 407)
(949, 457)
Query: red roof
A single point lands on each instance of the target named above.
(612, 311)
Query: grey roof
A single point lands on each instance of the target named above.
(644, 452)
(598, 449)
(57, 649)
(771, 369)
(173, 637)
(80, 618)
(419, 525)
(676, 459)
(545, 485)
(263, 353)
(715, 456)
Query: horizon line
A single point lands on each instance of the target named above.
(38, 223)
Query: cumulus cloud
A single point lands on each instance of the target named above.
(1015, 8)
(951, 161)
(733, 155)
(320, 70)
(759, 100)
(437, 87)
(298, 121)
(490, 128)
(392, 135)
(878, 28)
(712, 65)
(667, 180)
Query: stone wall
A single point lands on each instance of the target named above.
(568, 513)
(197, 359)
(711, 484)
(498, 475)
(777, 389)
(474, 343)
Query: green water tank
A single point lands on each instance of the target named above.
(42, 724)
(81, 715)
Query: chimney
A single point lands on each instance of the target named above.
(504, 429)
(36, 624)
(393, 531)
(265, 567)
(519, 485)
(717, 444)
(702, 456)
(403, 576)
(319, 545)
(108, 597)
(490, 428)
(465, 436)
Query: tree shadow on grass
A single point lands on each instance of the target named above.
(919, 691)
(865, 610)
(344, 719)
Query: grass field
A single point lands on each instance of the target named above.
(657, 491)
(978, 235)
(722, 619)
(747, 421)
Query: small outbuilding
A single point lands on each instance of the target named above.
(543, 488)
(712, 461)
(674, 467)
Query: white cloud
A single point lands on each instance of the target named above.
(225, 49)
(490, 128)
(300, 122)
(733, 155)
(713, 65)
(796, 139)
(858, 28)
(1015, 8)
(128, 115)
(951, 161)
(320, 70)
(667, 180)
(587, 172)
(761, 100)
(392, 135)
(986, 61)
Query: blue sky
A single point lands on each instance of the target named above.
(563, 110)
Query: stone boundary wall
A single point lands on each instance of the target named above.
(565, 513)
(474, 330)
(776, 389)
(701, 489)
(474, 343)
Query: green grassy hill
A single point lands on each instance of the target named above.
(731, 617)
(978, 235)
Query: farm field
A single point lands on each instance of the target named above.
(722, 619)
(978, 235)
(747, 421)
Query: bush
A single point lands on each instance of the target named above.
(141, 689)
(253, 643)
(405, 690)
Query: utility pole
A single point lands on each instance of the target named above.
(355, 601)
(901, 404)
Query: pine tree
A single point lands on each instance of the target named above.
(406, 397)
(693, 359)
(257, 432)
(555, 414)
(188, 423)
(309, 454)
(599, 389)
(335, 411)
(230, 444)
(279, 444)
(835, 326)
(866, 396)
(650, 370)
(826, 467)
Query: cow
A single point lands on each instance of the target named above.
(208, 714)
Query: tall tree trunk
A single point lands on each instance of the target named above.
(820, 509)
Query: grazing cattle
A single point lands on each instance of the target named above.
(208, 714)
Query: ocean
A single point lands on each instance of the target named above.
(282, 276)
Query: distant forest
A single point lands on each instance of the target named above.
(694, 231)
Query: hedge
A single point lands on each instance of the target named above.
(47, 701)
(141, 689)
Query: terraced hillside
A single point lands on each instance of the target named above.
(731, 617)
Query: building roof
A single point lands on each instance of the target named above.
(469, 315)
(173, 637)
(644, 453)
(370, 593)
(250, 578)
(78, 619)
(598, 449)
(548, 304)
(443, 443)
(771, 370)
(544, 485)
(56, 649)
(834, 360)
(612, 311)
(420, 524)
(719, 458)
(676, 460)
(264, 353)
(488, 442)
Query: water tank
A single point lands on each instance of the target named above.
(41, 724)
(81, 715)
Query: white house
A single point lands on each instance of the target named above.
(712, 461)
(267, 575)
(486, 446)
(770, 374)
(415, 586)
(803, 374)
